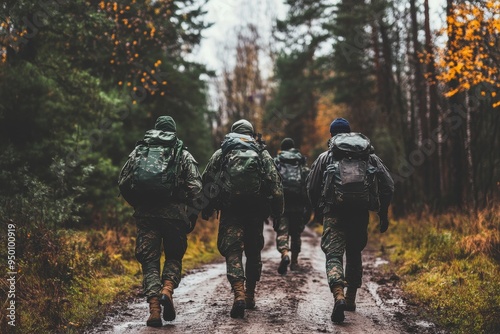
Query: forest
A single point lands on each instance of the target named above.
(81, 81)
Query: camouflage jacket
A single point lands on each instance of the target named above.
(188, 193)
(273, 181)
(315, 181)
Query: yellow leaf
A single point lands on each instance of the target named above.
(451, 92)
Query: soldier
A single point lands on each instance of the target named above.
(248, 188)
(344, 227)
(167, 223)
(292, 167)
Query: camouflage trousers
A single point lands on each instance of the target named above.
(238, 234)
(151, 233)
(291, 227)
(346, 232)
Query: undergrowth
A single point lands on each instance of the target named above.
(68, 279)
(449, 264)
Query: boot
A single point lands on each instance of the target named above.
(154, 319)
(250, 295)
(294, 265)
(238, 309)
(285, 261)
(339, 308)
(350, 299)
(166, 300)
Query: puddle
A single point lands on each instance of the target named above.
(425, 324)
(379, 262)
(372, 288)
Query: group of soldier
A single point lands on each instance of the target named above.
(241, 227)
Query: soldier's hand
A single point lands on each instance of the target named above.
(192, 220)
(384, 222)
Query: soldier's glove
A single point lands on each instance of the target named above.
(384, 222)
(192, 220)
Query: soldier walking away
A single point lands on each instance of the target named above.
(292, 167)
(248, 189)
(345, 183)
(161, 181)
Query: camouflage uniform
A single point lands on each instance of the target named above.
(346, 231)
(237, 234)
(241, 227)
(168, 224)
(294, 219)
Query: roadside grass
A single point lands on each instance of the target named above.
(68, 279)
(450, 265)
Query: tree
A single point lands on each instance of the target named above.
(293, 104)
(472, 57)
(82, 80)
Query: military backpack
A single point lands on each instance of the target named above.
(290, 165)
(350, 180)
(241, 172)
(150, 175)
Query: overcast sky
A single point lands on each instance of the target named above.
(228, 15)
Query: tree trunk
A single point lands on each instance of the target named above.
(421, 97)
(435, 171)
(470, 166)
(456, 175)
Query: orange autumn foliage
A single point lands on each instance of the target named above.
(327, 112)
(472, 56)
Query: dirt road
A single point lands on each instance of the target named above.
(299, 302)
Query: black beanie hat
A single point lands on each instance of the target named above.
(339, 125)
(287, 144)
(165, 123)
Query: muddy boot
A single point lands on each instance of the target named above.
(350, 299)
(238, 309)
(166, 300)
(154, 319)
(294, 265)
(250, 295)
(285, 261)
(339, 308)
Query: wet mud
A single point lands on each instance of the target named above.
(298, 302)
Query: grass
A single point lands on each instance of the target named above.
(68, 280)
(449, 264)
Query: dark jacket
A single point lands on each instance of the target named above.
(315, 181)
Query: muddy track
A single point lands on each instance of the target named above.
(299, 302)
